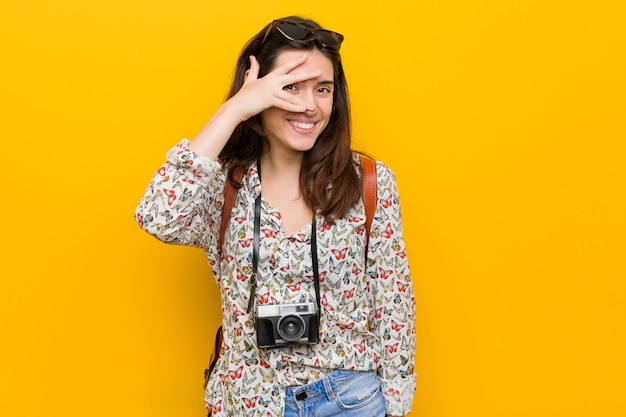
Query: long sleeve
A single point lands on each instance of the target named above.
(392, 296)
(182, 204)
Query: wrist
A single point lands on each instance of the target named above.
(231, 113)
(214, 135)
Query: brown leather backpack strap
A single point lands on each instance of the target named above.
(230, 193)
(370, 192)
(217, 349)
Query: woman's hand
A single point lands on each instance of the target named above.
(258, 94)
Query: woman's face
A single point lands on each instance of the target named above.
(297, 132)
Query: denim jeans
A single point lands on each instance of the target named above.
(342, 393)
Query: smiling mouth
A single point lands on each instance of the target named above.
(302, 125)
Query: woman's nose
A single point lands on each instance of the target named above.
(308, 99)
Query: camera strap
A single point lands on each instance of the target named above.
(370, 198)
(255, 251)
(255, 248)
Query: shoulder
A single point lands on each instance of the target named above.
(384, 174)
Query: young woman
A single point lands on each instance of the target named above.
(317, 316)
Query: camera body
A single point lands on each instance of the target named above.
(284, 324)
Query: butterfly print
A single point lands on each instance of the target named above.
(356, 270)
(140, 218)
(387, 232)
(298, 367)
(216, 408)
(340, 351)
(361, 290)
(236, 374)
(249, 382)
(251, 360)
(339, 254)
(349, 293)
(397, 299)
(186, 195)
(236, 311)
(266, 298)
(269, 233)
(396, 326)
(308, 353)
(404, 346)
(329, 339)
(385, 274)
(250, 402)
(167, 215)
(388, 202)
(197, 173)
(240, 276)
(346, 326)
(246, 242)
(387, 334)
(355, 219)
(365, 303)
(361, 347)
(402, 286)
(324, 302)
(336, 268)
(392, 348)
(394, 393)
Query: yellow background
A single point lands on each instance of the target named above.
(503, 120)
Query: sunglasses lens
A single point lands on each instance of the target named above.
(295, 32)
(292, 31)
(330, 39)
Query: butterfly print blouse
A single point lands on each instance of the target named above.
(367, 310)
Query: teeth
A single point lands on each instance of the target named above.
(302, 125)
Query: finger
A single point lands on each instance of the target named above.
(290, 107)
(291, 65)
(296, 77)
(255, 67)
(289, 102)
(253, 72)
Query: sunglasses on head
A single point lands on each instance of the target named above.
(297, 32)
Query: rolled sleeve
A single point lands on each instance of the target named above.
(398, 394)
(184, 199)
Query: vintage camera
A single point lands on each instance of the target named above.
(283, 324)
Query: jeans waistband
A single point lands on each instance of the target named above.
(325, 387)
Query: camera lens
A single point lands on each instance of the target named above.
(291, 328)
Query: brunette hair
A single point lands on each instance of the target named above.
(328, 180)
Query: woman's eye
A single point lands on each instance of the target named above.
(289, 87)
(324, 90)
